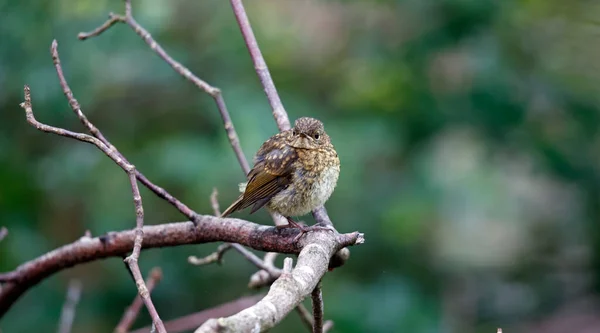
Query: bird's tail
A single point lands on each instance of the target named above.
(235, 206)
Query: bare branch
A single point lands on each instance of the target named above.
(118, 244)
(113, 153)
(112, 19)
(68, 311)
(254, 259)
(279, 113)
(263, 277)
(308, 321)
(320, 215)
(317, 301)
(317, 248)
(214, 202)
(129, 169)
(133, 310)
(285, 293)
(216, 256)
(214, 92)
(189, 322)
(305, 316)
(162, 193)
(287, 266)
(132, 260)
(260, 66)
(269, 258)
(3, 233)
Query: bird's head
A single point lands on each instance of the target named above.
(308, 133)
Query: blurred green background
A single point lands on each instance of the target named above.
(467, 132)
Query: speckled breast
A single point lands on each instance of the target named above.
(312, 184)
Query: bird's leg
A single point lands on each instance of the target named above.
(303, 229)
(294, 224)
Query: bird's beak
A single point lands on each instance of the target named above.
(304, 135)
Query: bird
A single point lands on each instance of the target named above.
(294, 172)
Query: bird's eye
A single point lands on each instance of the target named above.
(294, 132)
(317, 136)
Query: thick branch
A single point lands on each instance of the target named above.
(285, 293)
(118, 244)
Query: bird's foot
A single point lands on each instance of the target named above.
(303, 228)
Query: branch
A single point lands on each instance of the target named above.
(188, 75)
(118, 244)
(285, 293)
(214, 92)
(260, 66)
(308, 320)
(192, 321)
(214, 202)
(265, 277)
(68, 311)
(317, 301)
(94, 131)
(129, 169)
(278, 302)
(133, 310)
(317, 240)
(112, 153)
(216, 256)
(3, 233)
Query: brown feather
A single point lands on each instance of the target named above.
(271, 174)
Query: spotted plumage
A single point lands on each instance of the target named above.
(294, 172)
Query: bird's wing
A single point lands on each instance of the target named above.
(271, 174)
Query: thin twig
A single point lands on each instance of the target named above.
(216, 256)
(263, 277)
(94, 131)
(191, 321)
(3, 233)
(133, 310)
(214, 202)
(305, 316)
(279, 113)
(317, 301)
(68, 311)
(214, 92)
(132, 260)
(287, 266)
(260, 66)
(118, 158)
(112, 19)
(255, 260)
(130, 169)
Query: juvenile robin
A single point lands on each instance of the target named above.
(295, 171)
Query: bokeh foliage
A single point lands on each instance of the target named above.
(467, 131)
